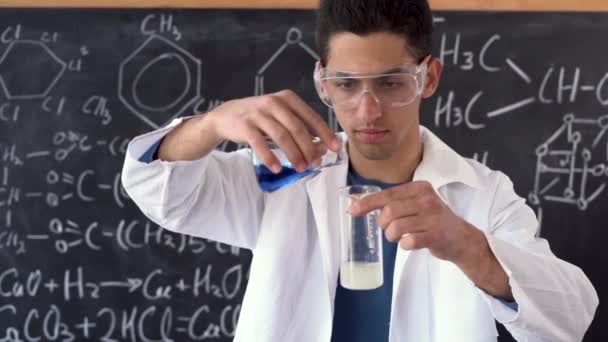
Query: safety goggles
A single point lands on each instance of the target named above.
(396, 87)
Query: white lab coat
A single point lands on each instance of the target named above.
(296, 251)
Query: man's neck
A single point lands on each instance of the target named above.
(397, 169)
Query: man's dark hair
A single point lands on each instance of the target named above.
(412, 19)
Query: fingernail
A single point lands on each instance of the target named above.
(301, 167)
(316, 163)
(354, 208)
(276, 168)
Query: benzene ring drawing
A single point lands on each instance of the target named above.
(159, 81)
(29, 70)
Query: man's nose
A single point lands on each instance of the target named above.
(369, 108)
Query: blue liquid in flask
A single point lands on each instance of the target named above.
(270, 182)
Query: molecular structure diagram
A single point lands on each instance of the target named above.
(571, 165)
(293, 50)
(159, 58)
(17, 63)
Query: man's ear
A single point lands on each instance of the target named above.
(433, 75)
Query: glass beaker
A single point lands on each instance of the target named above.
(361, 261)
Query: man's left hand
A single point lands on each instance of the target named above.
(414, 215)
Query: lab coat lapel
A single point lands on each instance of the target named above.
(323, 194)
(410, 309)
(412, 317)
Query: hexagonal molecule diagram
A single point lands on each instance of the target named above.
(29, 70)
(571, 165)
(270, 76)
(159, 81)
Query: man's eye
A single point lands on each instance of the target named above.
(391, 84)
(345, 84)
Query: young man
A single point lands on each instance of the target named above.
(460, 249)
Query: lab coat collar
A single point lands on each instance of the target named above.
(441, 165)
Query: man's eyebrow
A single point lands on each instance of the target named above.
(392, 71)
(385, 72)
(343, 74)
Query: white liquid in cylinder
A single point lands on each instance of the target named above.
(361, 275)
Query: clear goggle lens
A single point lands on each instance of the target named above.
(343, 90)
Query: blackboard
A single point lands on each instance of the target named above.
(525, 93)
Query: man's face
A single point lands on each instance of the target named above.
(377, 132)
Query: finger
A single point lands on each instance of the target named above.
(312, 119)
(397, 209)
(258, 144)
(363, 205)
(296, 127)
(402, 226)
(321, 149)
(415, 241)
(281, 136)
(379, 199)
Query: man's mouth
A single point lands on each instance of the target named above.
(370, 136)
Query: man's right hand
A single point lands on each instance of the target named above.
(284, 118)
